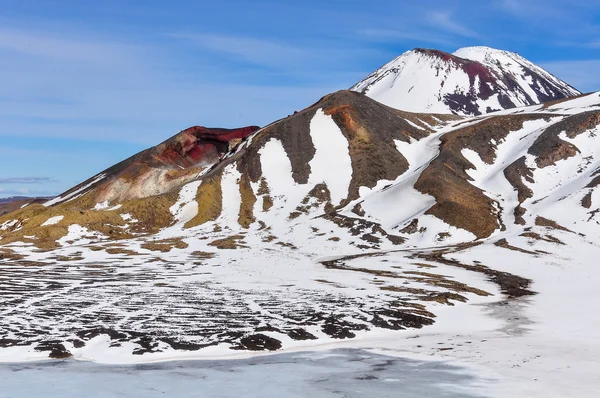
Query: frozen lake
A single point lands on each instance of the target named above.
(337, 373)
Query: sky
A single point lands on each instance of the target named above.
(84, 85)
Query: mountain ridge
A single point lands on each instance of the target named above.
(481, 80)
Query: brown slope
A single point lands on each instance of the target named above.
(550, 148)
(463, 205)
(369, 126)
(165, 167)
(458, 202)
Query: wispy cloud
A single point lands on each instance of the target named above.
(443, 20)
(560, 16)
(257, 51)
(411, 36)
(513, 6)
(26, 180)
(70, 48)
(590, 44)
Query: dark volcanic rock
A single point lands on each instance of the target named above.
(301, 334)
(341, 329)
(59, 352)
(57, 349)
(258, 342)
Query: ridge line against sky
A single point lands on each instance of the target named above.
(86, 85)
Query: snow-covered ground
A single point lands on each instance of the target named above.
(543, 345)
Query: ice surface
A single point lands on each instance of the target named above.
(347, 373)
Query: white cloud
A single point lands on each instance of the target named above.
(257, 51)
(443, 20)
(409, 35)
(514, 6)
(48, 45)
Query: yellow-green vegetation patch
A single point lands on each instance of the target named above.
(72, 257)
(9, 254)
(210, 201)
(231, 242)
(152, 213)
(443, 297)
(246, 215)
(267, 202)
(269, 238)
(120, 250)
(441, 281)
(164, 245)
(263, 190)
(31, 220)
(202, 255)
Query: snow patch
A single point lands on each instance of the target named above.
(102, 205)
(186, 207)
(79, 235)
(52, 221)
(8, 224)
(331, 163)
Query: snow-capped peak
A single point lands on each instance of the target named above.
(471, 81)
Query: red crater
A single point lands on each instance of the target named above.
(199, 146)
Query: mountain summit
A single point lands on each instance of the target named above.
(471, 81)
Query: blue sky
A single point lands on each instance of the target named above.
(84, 85)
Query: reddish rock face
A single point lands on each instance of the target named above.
(165, 167)
(198, 146)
